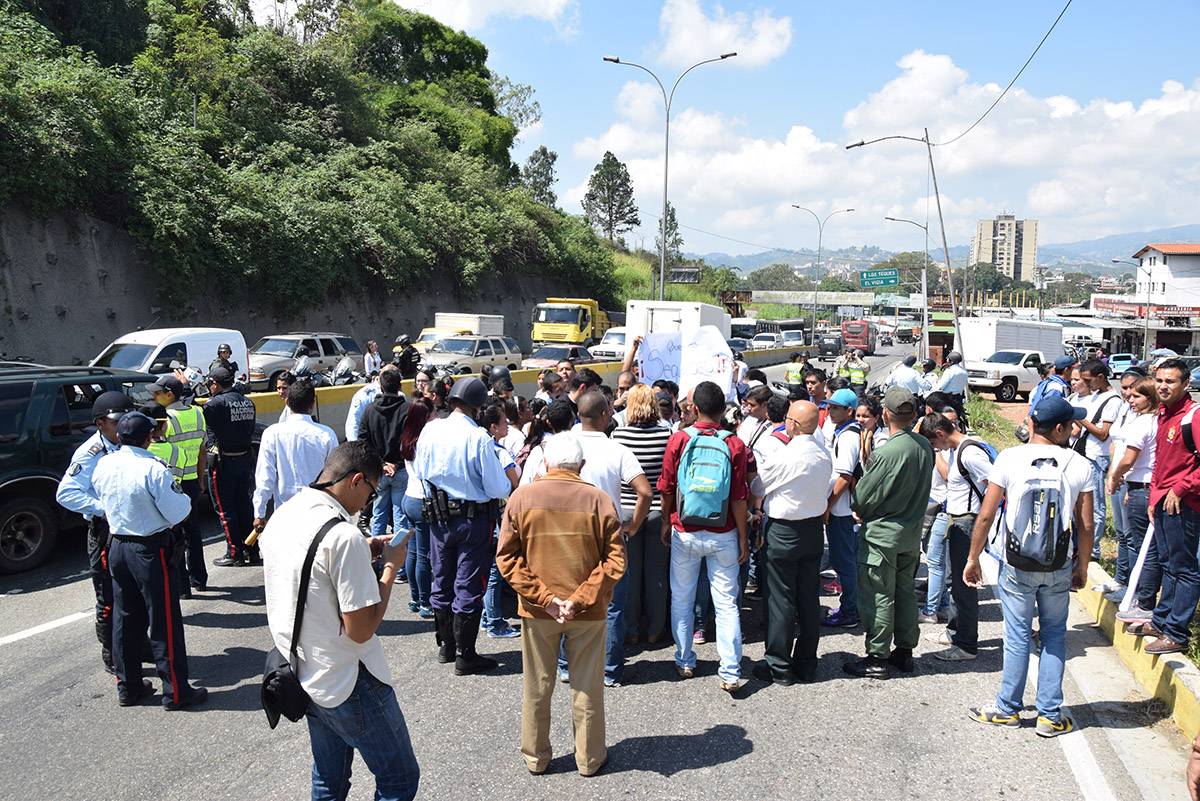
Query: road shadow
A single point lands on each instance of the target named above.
(228, 668)
(669, 754)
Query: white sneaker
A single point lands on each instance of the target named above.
(941, 638)
(954, 654)
(1112, 585)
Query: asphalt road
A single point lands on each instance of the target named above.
(64, 737)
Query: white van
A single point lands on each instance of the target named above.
(154, 349)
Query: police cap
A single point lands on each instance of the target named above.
(111, 405)
(134, 428)
(169, 383)
(470, 391)
(221, 377)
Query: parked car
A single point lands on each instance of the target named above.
(276, 353)
(612, 347)
(550, 355)
(1120, 362)
(739, 345)
(469, 354)
(160, 350)
(766, 340)
(1194, 384)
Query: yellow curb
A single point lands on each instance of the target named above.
(1172, 678)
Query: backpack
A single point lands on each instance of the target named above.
(704, 479)
(991, 452)
(854, 428)
(1189, 439)
(1080, 444)
(1040, 535)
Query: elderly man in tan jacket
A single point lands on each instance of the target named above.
(562, 551)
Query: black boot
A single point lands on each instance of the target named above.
(104, 635)
(443, 622)
(902, 660)
(466, 630)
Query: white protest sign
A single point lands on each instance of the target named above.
(706, 357)
(659, 357)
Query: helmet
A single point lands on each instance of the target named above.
(471, 391)
(404, 339)
(928, 365)
(910, 360)
(224, 347)
(859, 353)
(301, 351)
(953, 357)
(500, 373)
(112, 405)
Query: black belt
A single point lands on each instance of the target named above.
(228, 455)
(1137, 484)
(150, 539)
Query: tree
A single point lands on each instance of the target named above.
(674, 240)
(778, 277)
(515, 101)
(537, 176)
(832, 283)
(608, 203)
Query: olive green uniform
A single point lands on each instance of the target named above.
(891, 499)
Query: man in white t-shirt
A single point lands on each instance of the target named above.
(341, 662)
(1025, 594)
(966, 473)
(845, 449)
(1102, 407)
(756, 412)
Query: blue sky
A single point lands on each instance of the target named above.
(1097, 137)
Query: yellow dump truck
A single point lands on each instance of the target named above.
(573, 321)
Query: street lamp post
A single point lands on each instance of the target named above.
(924, 286)
(667, 98)
(817, 277)
(1146, 326)
(941, 221)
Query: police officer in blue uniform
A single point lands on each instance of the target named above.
(144, 506)
(464, 479)
(229, 416)
(75, 492)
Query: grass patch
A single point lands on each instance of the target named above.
(632, 272)
(991, 426)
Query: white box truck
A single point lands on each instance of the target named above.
(485, 325)
(980, 337)
(657, 317)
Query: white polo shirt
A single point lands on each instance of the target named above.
(960, 498)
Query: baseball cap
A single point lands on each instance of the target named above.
(155, 411)
(1053, 409)
(169, 383)
(843, 397)
(899, 400)
(134, 427)
(1063, 362)
(111, 405)
(221, 376)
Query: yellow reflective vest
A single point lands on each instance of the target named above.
(185, 430)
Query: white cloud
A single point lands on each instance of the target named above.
(690, 35)
(1084, 168)
(471, 15)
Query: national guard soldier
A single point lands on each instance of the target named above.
(187, 432)
(230, 417)
(144, 506)
(406, 357)
(464, 479)
(75, 492)
(224, 356)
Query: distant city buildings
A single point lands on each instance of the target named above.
(1008, 243)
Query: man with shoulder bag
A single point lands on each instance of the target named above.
(341, 666)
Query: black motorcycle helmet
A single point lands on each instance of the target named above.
(500, 373)
(928, 365)
(404, 340)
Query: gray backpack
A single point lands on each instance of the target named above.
(1036, 523)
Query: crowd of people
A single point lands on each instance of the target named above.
(636, 513)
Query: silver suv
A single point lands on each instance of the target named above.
(469, 354)
(273, 354)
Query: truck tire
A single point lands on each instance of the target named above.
(1007, 391)
(28, 531)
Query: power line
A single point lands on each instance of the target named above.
(1010, 83)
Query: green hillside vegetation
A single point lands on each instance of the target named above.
(363, 145)
(632, 271)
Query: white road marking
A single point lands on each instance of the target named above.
(53, 624)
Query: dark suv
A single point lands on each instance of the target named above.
(45, 413)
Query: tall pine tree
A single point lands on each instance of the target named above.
(608, 203)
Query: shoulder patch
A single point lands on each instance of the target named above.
(176, 488)
(96, 449)
(75, 469)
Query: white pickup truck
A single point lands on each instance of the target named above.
(1006, 372)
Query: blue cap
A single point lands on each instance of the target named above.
(134, 427)
(1063, 362)
(843, 397)
(1053, 409)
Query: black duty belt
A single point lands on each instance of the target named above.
(1137, 485)
(150, 539)
(230, 454)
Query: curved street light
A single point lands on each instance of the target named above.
(817, 277)
(924, 286)
(667, 98)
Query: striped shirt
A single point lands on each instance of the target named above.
(648, 445)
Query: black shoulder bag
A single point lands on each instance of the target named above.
(282, 693)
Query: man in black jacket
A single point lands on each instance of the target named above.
(381, 425)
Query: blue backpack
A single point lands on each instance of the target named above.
(991, 452)
(704, 479)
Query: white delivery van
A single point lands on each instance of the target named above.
(153, 350)
(657, 317)
(980, 337)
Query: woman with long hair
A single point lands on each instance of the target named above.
(869, 414)
(648, 560)
(1132, 468)
(372, 361)
(416, 565)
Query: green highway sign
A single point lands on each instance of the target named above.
(874, 278)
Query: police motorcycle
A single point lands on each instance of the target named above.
(344, 374)
(302, 368)
(436, 371)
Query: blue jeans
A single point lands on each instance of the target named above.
(937, 598)
(370, 721)
(964, 606)
(1137, 515)
(1175, 537)
(614, 644)
(843, 557)
(1125, 560)
(417, 563)
(388, 504)
(1099, 508)
(719, 550)
(493, 619)
(1022, 594)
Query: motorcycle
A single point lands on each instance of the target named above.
(344, 374)
(302, 368)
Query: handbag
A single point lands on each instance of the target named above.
(282, 693)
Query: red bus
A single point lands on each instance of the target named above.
(860, 334)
